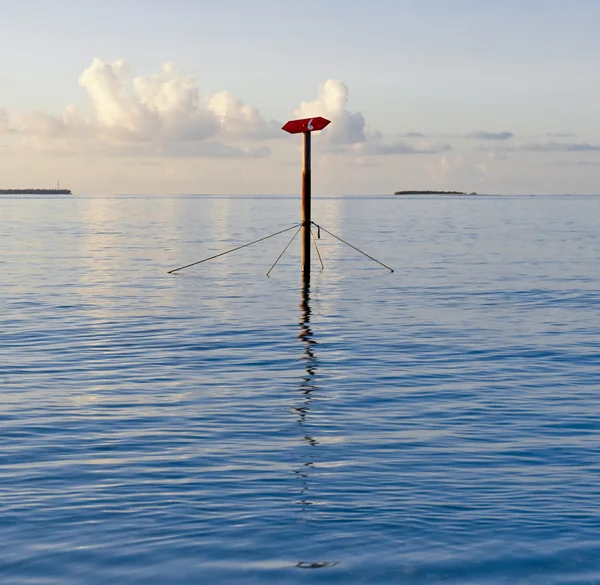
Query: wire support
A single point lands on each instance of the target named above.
(317, 248)
(353, 247)
(234, 249)
(284, 250)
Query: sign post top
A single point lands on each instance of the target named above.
(305, 125)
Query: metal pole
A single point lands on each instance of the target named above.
(306, 203)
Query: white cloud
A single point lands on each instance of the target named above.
(346, 127)
(238, 119)
(164, 114)
(159, 114)
(349, 132)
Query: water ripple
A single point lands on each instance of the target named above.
(435, 425)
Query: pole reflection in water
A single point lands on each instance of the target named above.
(307, 387)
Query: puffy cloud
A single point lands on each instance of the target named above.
(483, 135)
(346, 127)
(112, 110)
(236, 118)
(159, 114)
(349, 131)
(164, 114)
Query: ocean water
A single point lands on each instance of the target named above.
(437, 424)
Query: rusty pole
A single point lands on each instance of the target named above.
(306, 204)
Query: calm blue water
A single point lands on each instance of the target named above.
(437, 424)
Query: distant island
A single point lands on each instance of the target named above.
(35, 192)
(432, 193)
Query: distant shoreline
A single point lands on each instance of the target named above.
(432, 193)
(35, 192)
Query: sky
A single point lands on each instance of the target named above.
(189, 96)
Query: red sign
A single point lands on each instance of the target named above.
(305, 125)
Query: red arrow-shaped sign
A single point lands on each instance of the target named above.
(305, 125)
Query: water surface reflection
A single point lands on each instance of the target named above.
(307, 387)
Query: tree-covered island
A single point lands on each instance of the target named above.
(35, 192)
(432, 193)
